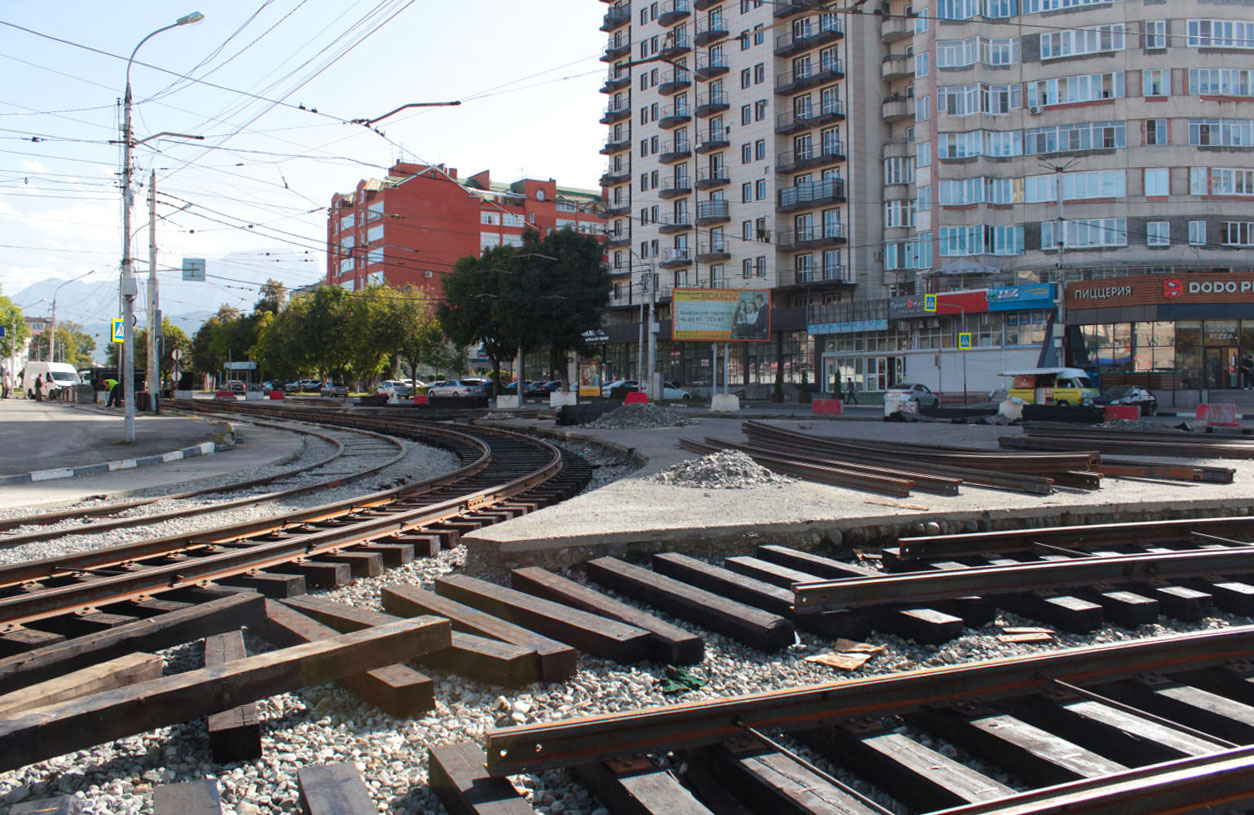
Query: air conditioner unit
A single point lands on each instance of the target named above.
(1035, 110)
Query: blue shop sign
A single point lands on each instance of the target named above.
(850, 327)
(1021, 298)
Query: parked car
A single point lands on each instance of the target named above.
(400, 388)
(672, 390)
(1128, 395)
(1052, 386)
(235, 386)
(512, 388)
(459, 387)
(914, 392)
(609, 388)
(333, 389)
(543, 388)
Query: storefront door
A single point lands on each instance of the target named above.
(1221, 367)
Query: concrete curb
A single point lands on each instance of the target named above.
(208, 448)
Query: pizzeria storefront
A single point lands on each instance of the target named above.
(1166, 332)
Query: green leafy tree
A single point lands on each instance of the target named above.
(15, 331)
(475, 311)
(206, 356)
(408, 327)
(74, 345)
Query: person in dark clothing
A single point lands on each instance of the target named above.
(115, 395)
(1247, 372)
(762, 321)
(39, 388)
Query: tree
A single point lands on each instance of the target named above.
(474, 310)
(415, 332)
(74, 345)
(273, 297)
(172, 337)
(207, 357)
(15, 331)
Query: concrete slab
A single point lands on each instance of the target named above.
(637, 515)
(39, 436)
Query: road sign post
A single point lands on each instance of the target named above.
(964, 344)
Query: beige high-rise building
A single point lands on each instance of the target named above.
(853, 161)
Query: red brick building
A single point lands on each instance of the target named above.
(413, 225)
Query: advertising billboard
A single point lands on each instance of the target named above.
(721, 315)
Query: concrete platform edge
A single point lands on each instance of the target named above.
(494, 558)
(223, 442)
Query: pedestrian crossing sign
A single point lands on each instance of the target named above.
(929, 302)
(964, 341)
(119, 334)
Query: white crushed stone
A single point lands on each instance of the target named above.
(724, 470)
(641, 415)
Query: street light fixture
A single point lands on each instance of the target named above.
(126, 285)
(52, 336)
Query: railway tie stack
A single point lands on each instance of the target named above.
(1115, 442)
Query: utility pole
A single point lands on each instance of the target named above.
(154, 313)
(654, 380)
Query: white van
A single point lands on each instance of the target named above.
(61, 375)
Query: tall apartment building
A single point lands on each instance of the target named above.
(951, 125)
(730, 166)
(412, 226)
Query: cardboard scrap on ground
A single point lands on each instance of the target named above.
(1017, 634)
(846, 655)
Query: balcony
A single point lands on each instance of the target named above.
(674, 116)
(709, 142)
(621, 208)
(674, 81)
(712, 212)
(897, 66)
(678, 222)
(616, 80)
(710, 177)
(675, 46)
(896, 148)
(783, 10)
(617, 49)
(797, 121)
(813, 156)
(791, 82)
(676, 258)
(616, 17)
(709, 66)
(895, 29)
(895, 109)
(711, 103)
(675, 186)
(827, 29)
(673, 11)
(811, 194)
(714, 251)
(812, 237)
(616, 173)
(616, 114)
(712, 31)
(676, 150)
(616, 144)
(827, 273)
(702, 5)
(617, 241)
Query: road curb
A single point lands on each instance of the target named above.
(207, 448)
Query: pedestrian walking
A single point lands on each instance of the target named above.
(39, 388)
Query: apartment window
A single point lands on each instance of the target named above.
(1076, 186)
(746, 192)
(760, 189)
(1231, 181)
(375, 233)
(746, 267)
(923, 108)
(760, 263)
(348, 221)
(1075, 41)
(653, 179)
(1089, 234)
(746, 153)
(1157, 182)
(644, 147)
(759, 73)
(1155, 36)
(374, 211)
(1156, 131)
(746, 78)
(644, 182)
(653, 214)
(759, 149)
(744, 40)
(921, 64)
(346, 265)
(746, 230)
(1197, 233)
(1068, 90)
(746, 114)
(759, 110)
(1220, 34)
(763, 235)
(1199, 181)
(1221, 132)
(717, 278)
(1221, 82)
(1156, 82)
(490, 218)
(744, 6)
(759, 34)
(1237, 233)
(923, 154)
(1158, 233)
(1066, 138)
(924, 201)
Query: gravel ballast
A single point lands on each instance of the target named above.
(724, 470)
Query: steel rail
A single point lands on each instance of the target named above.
(896, 487)
(1129, 447)
(1138, 533)
(1218, 782)
(944, 584)
(158, 517)
(217, 563)
(552, 745)
(973, 476)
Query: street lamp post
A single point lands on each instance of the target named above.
(52, 337)
(126, 284)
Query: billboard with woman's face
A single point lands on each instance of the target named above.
(721, 315)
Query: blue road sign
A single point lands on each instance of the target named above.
(964, 341)
(119, 333)
(929, 302)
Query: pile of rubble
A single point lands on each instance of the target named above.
(725, 470)
(640, 415)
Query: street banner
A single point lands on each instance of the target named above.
(721, 315)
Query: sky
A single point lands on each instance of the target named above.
(251, 196)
